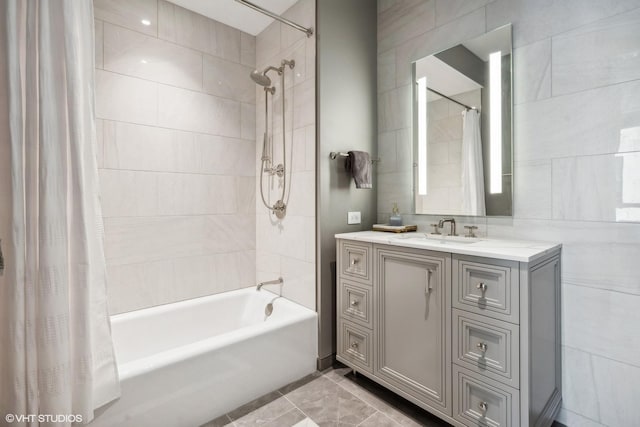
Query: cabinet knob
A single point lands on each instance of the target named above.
(482, 287)
(482, 346)
(483, 407)
(354, 261)
(354, 303)
(354, 345)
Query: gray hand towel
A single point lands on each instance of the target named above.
(359, 164)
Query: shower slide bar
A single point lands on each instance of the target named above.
(335, 154)
(307, 31)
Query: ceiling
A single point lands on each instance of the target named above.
(235, 14)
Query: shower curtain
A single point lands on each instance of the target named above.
(472, 169)
(56, 353)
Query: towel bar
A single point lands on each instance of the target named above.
(334, 155)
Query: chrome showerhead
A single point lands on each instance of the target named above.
(260, 78)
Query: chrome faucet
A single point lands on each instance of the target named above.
(453, 225)
(278, 281)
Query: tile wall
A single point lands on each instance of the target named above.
(287, 248)
(176, 131)
(576, 174)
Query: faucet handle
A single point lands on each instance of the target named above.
(470, 231)
(436, 229)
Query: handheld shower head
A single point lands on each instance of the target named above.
(260, 78)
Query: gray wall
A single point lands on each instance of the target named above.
(347, 120)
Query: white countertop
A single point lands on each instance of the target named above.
(513, 250)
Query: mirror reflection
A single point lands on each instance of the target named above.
(462, 128)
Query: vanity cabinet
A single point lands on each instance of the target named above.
(473, 339)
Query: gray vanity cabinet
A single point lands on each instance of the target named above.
(413, 317)
(474, 340)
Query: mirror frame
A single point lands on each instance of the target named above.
(414, 131)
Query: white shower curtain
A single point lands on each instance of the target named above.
(472, 170)
(56, 353)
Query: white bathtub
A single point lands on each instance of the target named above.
(186, 363)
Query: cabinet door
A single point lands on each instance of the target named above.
(413, 325)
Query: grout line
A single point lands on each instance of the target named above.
(581, 285)
(362, 422)
(582, 416)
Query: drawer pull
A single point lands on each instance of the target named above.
(354, 303)
(482, 347)
(482, 287)
(354, 345)
(483, 407)
(428, 287)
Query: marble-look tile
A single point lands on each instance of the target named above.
(246, 194)
(282, 237)
(394, 109)
(248, 50)
(300, 281)
(579, 391)
(387, 70)
(99, 43)
(248, 121)
(198, 32)
(303, 199)
(387, 152)
(228, 80)
(449, 10)
(304, 107)
(136, 147)
(379, 420)
(198, 112)
(536, 20)
(435, 40)
(133, 54)
(326, 402)
(129, 14)
(572, 419)
(126, 99)
(266, 415)
(268, 45)
(532, 72)
(612, 333)
(307, 422)
(404, 20)
(618, 404)
(393, 188)
(337, 374)
(404, 150)
(533, 189)
(135, 286)
(136, 240)
(596, 121)
(595, 188)
(602, 53)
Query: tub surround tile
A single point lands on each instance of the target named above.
(603, 53)
(268, 45)
(247, 49)
(189, 29)
(129, 14)
(228, 80)
(100, 142)
(126, 99)
(133, 54)
(197, 112)
(302, 12)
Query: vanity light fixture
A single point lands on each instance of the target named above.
(495, 123)
(422, 136)
(145, 22)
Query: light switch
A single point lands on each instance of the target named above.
(353, 218)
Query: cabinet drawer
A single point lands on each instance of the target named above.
(487, 287)
(355, 345)
(354, 302)
(355, 260)
(483, 402)
(486, 346)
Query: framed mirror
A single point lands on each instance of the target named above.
(463, 129)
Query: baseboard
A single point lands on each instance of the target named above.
(326, 362)
(548, 415)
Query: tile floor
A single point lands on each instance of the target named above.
(333, 398)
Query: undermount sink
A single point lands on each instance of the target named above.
(438, 238)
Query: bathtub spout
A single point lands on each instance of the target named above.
(278, 281)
